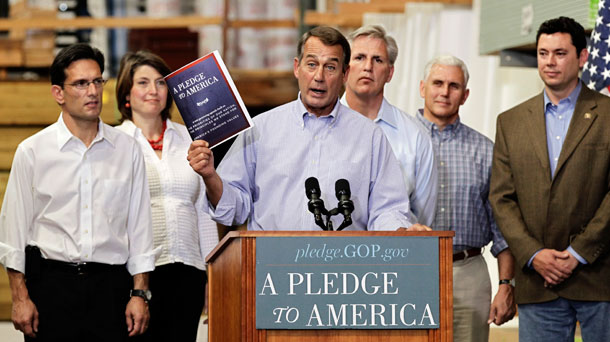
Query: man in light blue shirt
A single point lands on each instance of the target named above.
(371, 67)
(261, 179)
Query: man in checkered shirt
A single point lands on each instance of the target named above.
(464, 157)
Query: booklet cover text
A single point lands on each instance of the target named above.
(208, 100)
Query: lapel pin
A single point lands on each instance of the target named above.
(588, 116)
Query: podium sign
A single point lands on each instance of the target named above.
(347, 282)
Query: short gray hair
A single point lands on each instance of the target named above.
(448, 60)
(377, 31)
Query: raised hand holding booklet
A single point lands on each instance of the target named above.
(208, 100)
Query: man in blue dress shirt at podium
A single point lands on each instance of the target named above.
(261, 179)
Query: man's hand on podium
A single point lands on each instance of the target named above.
(416, 228)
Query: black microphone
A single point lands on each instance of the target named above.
(345, 206)
(315, 204)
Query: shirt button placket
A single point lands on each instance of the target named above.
(86, 216)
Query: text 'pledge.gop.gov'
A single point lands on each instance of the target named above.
(347, 283)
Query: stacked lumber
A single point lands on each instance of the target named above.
(28, 48)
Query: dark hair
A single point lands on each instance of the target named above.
(71, 54)
(565, 25)
(329, 37)
(129, 63)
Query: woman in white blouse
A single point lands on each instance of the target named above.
(182, 229)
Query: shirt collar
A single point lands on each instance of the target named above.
(302, 111)
(64, 135)
(133, 130)
(571, 99)
(420, 116)
(129, 127)
(170, 126)
(453, 128)
(385, 114)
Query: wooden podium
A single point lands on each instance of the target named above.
(232, 297)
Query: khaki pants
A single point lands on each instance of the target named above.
(471, 300)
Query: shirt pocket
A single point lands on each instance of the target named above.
(116, 201)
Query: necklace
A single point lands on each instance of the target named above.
(158, 143)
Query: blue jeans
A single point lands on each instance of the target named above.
(555, 321)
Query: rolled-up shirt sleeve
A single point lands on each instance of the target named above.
(139, 223)
(426, 181)
(234, 205)
(237, 172)
(17, 212)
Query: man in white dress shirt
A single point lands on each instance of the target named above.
(75, 226)
(371, 67)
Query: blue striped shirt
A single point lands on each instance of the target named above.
(464, 157)
(413, 149)
(264, 172)
(557, 118)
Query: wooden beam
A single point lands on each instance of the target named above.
(449, 2)
(10, 137)
(31, 103)
(3, 181)
(315, 18)
(266, 88)
(261, 23)
(5, 290)
(350, 14)
(359, 8)
(393, 2)
(256, 74)
(5, 296)
(135, 22)
(88, 22)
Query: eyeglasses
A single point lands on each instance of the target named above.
(84, 84)
(144, 83)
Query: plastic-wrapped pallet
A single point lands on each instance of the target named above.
(251, 46)
(163, 8)
(280, 43)
(210, 37)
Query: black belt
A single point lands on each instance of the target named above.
(466, 254)
(79, 268)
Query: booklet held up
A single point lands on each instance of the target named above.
(208, 100)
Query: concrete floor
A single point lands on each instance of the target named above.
(506, 333)
(9, 334)
(501, 334)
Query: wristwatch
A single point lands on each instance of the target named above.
(510, 282)
(144, 294)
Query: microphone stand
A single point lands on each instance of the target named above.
(347, 220)
(319, 220)
(329, 223)
(345, 207)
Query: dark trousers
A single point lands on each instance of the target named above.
(85, 304)
(178, 295)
